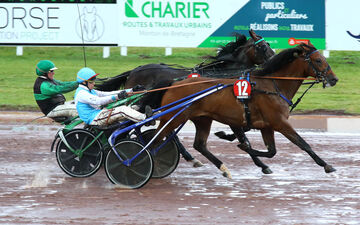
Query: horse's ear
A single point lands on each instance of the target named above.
(306, 47)
(252, 34)
(310, 44)
(93, 10)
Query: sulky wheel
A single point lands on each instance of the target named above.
(81, 163)
(134, 175)
(166, 159)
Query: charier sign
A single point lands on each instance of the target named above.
(58, 22)
(173, 23)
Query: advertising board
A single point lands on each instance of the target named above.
(282, 23)
(58, 22)
(173, 23)
(163, 23)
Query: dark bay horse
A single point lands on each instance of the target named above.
(268, 104)
(231, 60)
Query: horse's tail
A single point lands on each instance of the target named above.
(112, 83)
(153, 99)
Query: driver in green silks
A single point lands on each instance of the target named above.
(48, 92)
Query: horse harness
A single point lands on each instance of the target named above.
(245, 102)
(319, 75)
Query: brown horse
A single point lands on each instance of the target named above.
(232, 59)
(269, 103)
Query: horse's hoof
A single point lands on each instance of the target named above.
(267, 171)
(220, 134)
(196, 163)
(329, 169)
(226, 172)
(223, 135)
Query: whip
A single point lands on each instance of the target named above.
(82, 34)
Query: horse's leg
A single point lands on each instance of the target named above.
(285, 128)
(295, 138)
(203, 125)
(186, 155)
(245, 145)
(223, 135)
(269, 141)
(240, 135)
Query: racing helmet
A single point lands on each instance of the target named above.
(44, 66)
(85, 74)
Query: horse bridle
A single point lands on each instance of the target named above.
(262, 48)
(320, 75)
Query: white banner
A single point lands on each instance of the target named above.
(342, 25)
(168, 23)
(55, 24)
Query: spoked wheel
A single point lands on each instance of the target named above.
(83, 164)
(166, 159)
(134, 175)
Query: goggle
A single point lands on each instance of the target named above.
(92, 80)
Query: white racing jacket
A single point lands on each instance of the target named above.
(89, 102)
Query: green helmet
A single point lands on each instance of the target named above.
(44, 66)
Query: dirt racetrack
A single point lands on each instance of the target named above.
(34, 190)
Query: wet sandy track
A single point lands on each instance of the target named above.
(34, 190)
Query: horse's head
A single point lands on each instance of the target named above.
(245, 52)
(259, 50)
(318, 66)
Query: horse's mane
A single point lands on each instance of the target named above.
(226, 53)
(231, 47)
(279, 60)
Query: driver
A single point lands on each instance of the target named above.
(89, 102)
(48, 92)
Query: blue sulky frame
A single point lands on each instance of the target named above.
(181, 104)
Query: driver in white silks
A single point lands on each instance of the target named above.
(89, 102)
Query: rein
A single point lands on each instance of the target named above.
(284, 78)
(299, 99)
(319, 76)
(207, 81)
(175, 86)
